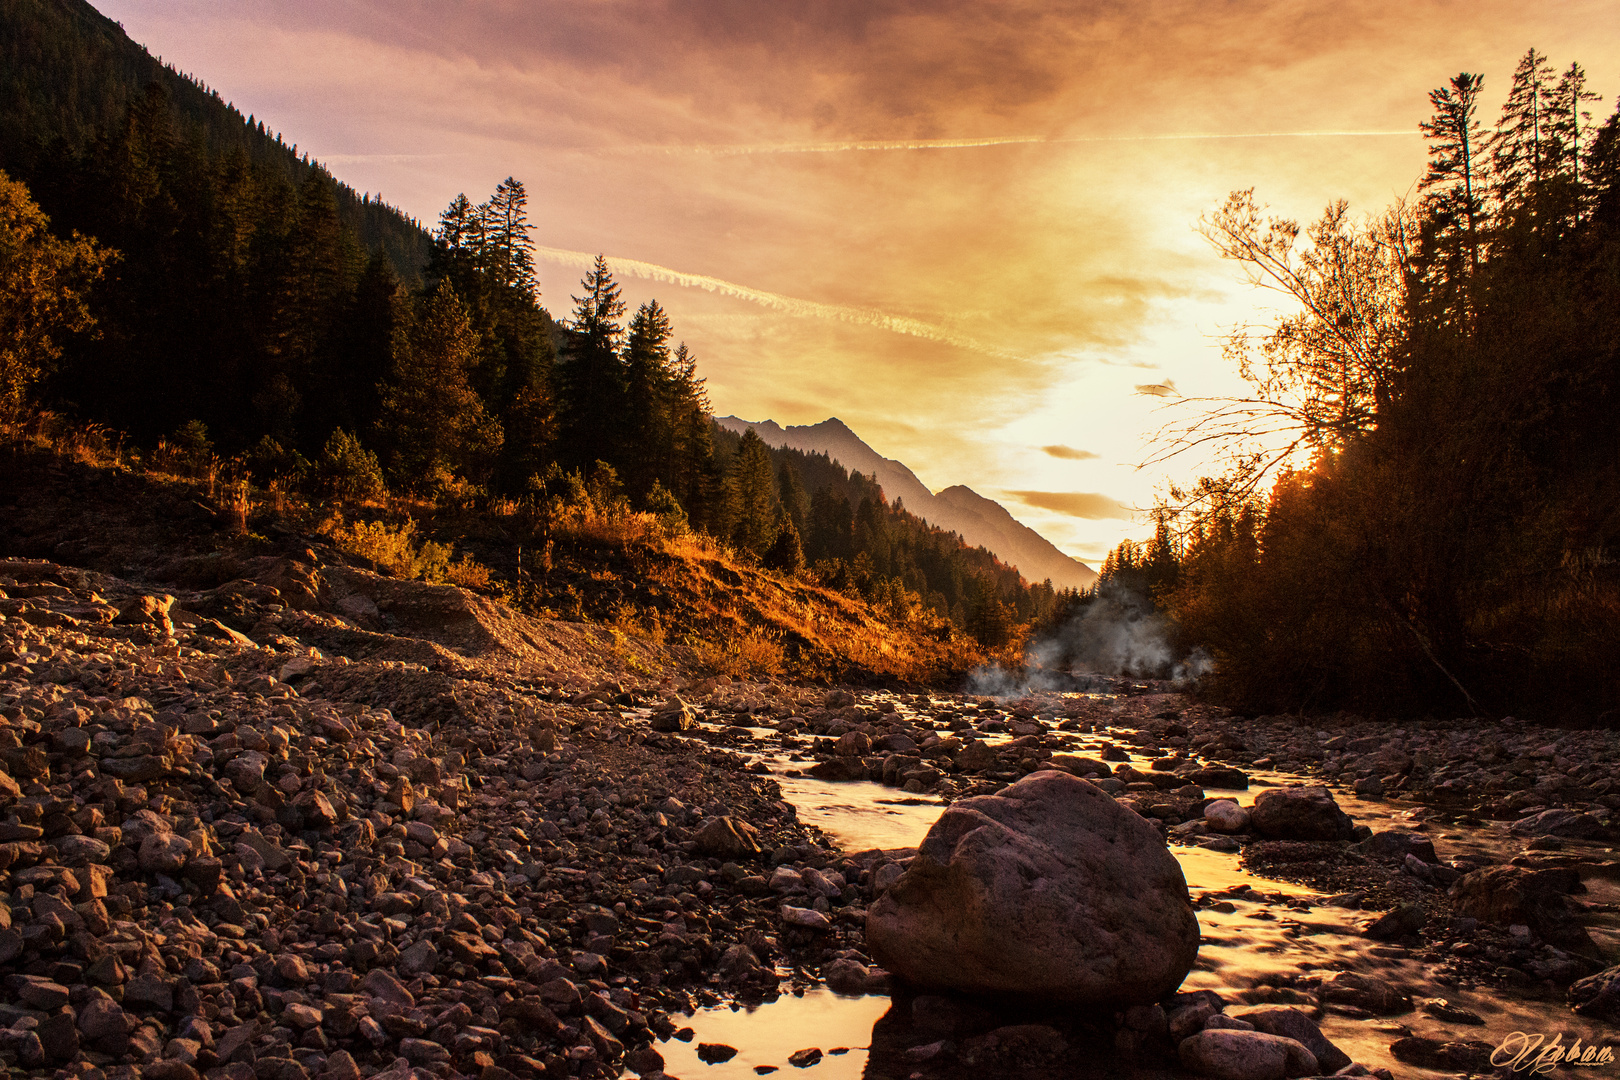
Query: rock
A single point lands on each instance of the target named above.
(727, 838)
(1297, 1025)
(135, 770)
(292, 969)
(1449, 1012)
(1226, 816)
(1216, 776)
(1508, 895)
(1227, 1054)
(1569, 824)
(976, 756)
(58, 1037)
(419, 959)
(1598, 996)
(42, 993)
(1470, 1056)
(146, 611)
(803, 1059)
(102, 1020)
(839, 769)
(164, 853)
(674, 715)
(1403, 921)
(383, 984)
(807, 918)
(714, 1053)
(1050, 889)
(1396, 844)
(1363, 992)
(1299, 813)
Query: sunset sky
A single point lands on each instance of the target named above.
(966, 229)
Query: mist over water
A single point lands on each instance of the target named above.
(1119, 633)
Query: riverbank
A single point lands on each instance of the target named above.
(471, 843)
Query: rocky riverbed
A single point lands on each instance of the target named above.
(299, 820)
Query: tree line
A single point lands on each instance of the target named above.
(1432, 523)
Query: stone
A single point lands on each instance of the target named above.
(714, 1053)
(135, 770)
(59, 1037)
(1462, 1056)
(1297, 1025)
(1226, 816)
(1299, 813)
(1509, 895)
(1363, 992)
(291, 969)
(727, 838)
(1229, 1054)
(164, 853)
(1397, 844)
(1050, 890)
(102, 1018)
(803, 1059)
(1404, 920)
(1598, 996)
(806, 918)
(381, 983)
(1450, 1012)
(149, 991)
(674, 715)
(1570, 824)
(419, 959)
(42, 993)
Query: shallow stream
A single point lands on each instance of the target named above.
(1271, 928)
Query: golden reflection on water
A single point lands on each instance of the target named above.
(766, 1035)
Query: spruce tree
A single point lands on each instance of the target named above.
(433, 422)
(590, 374)
(1454, 183)
(648, 400)
(751, 492)
(1525, 151)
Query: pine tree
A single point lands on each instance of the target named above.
(648, 399)
(506, 228)
(1525, 151)
(1571, 122)
(751, 493)
(790, 489)
(433, 422)
(1454, 181)
(785, 555)
(590, 374)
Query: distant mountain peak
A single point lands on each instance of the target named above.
(979, 521)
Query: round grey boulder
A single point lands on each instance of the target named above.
(1049, 890)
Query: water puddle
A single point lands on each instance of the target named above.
(766, 1035)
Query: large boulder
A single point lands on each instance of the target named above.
(1050, 890)
(1300, 813)
(1231, 1054)
(1571, 824)
(1297, 1025)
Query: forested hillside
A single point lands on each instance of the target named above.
(239, 311)
(1453, 373)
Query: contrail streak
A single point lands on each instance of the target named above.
(791, 305)
(869, 145)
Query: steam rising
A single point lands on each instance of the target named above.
(1119, 633)
(809, 309)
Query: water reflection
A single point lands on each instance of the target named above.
(766, 1035)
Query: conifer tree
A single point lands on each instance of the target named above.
(790, 490)
(433, 422)
(1454, 181)
(1525, 151)
(1571, 122)
(590, 374)
(505, 225)
(649, 404)
(751, 492)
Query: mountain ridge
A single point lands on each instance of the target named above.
(978, 520)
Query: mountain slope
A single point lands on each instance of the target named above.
(978, 520)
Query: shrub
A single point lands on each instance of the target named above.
(350, 470)
(394, 548)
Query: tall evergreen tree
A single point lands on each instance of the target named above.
(433, 423)
(1454, 182)
(506, 228)
(1525, 150)
(590, 374)
(751, 492)
(1572, 122)
(649, 401)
